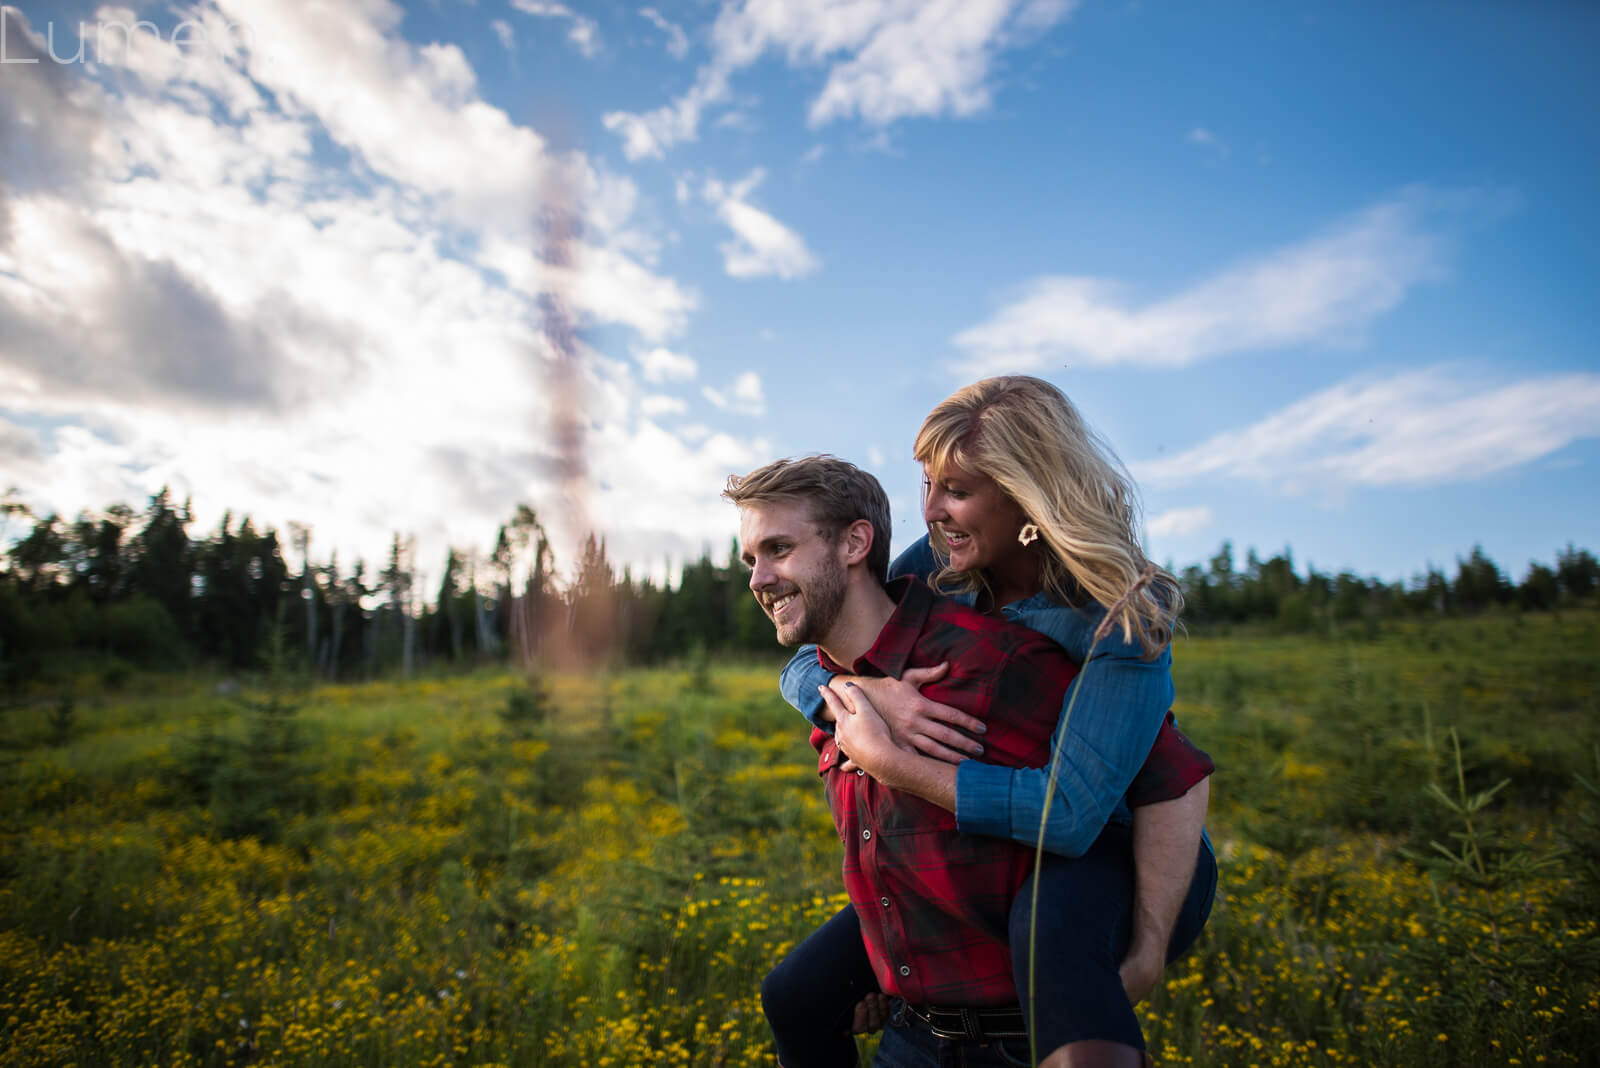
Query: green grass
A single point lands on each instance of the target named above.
(434, 882)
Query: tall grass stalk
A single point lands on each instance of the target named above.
(1100, 633)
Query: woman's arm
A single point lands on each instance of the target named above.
(1118, 702)
(927, 725)
(799, 682)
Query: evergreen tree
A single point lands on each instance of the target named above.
(162, 560)
(1577, 571)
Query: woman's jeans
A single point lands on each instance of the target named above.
(1086, 912)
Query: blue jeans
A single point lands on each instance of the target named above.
(1086, 910)
(1085, 919)
(907, 1044)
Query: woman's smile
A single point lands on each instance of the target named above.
(976, 518)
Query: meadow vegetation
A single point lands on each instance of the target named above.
(597, 870)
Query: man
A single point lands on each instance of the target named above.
(932, 903)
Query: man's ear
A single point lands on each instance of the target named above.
(857, 542)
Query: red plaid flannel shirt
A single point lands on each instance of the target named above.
(934, 902)
(1174, 765)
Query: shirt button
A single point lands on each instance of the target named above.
(860, 772)
(905, 969)
(866, 834)
(885, 902)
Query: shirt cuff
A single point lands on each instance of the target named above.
(983, 799)
(799, 682)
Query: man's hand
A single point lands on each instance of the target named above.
(1140, 973)
(929, 727)
(872, 1013)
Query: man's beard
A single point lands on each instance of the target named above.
(823, 598)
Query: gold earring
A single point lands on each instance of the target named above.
(1028, 534)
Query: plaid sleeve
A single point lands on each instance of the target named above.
(1174, 766)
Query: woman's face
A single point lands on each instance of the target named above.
(978, 520)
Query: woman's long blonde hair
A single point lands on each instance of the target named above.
(1025, 434)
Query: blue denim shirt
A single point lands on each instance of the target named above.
(1106, 741)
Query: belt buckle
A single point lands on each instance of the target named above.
(934, 1027)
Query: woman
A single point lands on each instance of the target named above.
(1030, 518)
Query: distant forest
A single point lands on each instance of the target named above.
(125, 588)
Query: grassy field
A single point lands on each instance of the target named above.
(468, 871)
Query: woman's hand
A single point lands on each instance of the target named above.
(863, 738)
(920, 722)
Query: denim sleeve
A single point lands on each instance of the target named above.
(1103, 742)
(799, 682)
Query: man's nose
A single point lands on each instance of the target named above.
(760, 577)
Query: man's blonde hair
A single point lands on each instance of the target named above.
(838, 493)
(1025, 434)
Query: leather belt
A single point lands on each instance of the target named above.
(974, 1024)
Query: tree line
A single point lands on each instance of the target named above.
(125, 587)
(1274, 591)
(121, 587)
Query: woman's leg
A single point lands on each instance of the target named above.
(810, 997)
(1085, 912)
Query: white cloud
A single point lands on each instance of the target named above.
(745, 396)
(196, 292)
(762, 245)
(1328, 287)
(651, 134)
(677, 40)
(664, 365)
(502, 30)
(886, 60)
(657, 404)
(1413, 429)
(583, 34)
(1178, 522)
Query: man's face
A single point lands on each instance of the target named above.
(796, 573)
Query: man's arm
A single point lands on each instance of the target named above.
(1165, 842)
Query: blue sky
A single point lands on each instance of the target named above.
(1322, 273)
